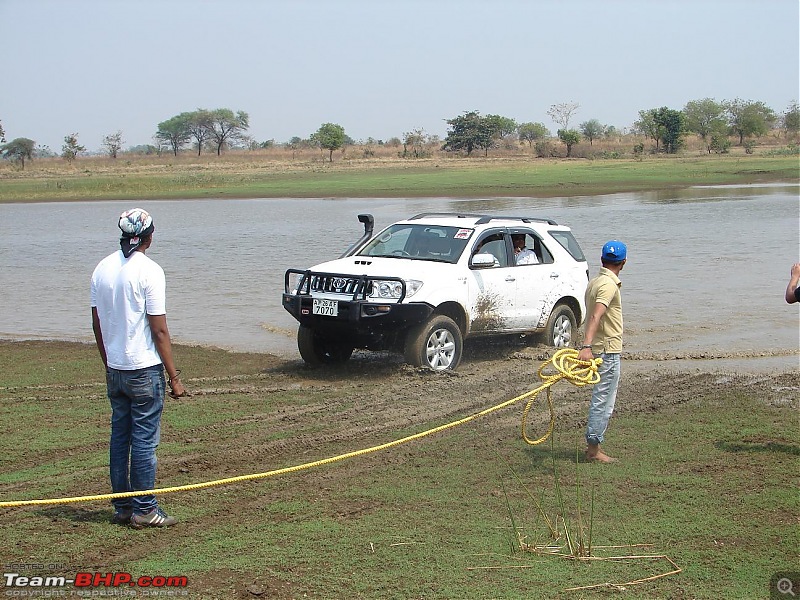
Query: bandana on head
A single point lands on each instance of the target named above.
(135, 224)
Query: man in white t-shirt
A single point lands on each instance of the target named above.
(129, 319)
(523, 255)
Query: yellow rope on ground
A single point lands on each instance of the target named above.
(564, 361)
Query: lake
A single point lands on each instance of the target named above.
(706, 273)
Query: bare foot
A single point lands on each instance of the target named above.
(594, 454)
(600, 457)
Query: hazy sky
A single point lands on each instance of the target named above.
(379, 68)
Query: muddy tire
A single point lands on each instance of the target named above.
(561, 329)
(436, 344)
(317, 351)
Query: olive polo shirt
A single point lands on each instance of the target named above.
(605, 289)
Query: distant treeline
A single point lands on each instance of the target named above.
(716, 124)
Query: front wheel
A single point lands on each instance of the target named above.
(561, 327)
(436, 344)
(316, 350)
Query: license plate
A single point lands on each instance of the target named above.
(328, 308)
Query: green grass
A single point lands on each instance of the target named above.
(474, 177)
(711, 483)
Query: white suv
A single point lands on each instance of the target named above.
(424, 285)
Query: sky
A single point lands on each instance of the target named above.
(380, 68)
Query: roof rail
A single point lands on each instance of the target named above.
(445, 214)
(488, 218)
(482, 218)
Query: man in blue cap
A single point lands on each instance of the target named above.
(603, 338)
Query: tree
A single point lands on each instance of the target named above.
(562, 113)
(467, 132)
(705, 117)
(663, 125)
(225, 127)
(791, 120)
(175, 132)
(570, 137)
(415, 140)
(532, 132)
(749, 118)
(671, 126)
(501, 126)
(648, 126)
(18, 149)
(113, 143)
(198, 125)
(71, 147)
(591, 130)
(329, 136)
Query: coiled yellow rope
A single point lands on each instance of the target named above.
(566, 365)
(564, 362)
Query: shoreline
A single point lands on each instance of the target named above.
(451, 177)
(734, 363)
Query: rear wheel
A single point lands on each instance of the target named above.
(436, 344)
(561, 327)
(316, 350)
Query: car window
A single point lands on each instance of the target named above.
(392, 241)
(494, 244)
(527, 249)
(420, 242)
(545, 254)
(570, 244)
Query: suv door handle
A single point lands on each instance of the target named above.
(553, 275)
(510, 278)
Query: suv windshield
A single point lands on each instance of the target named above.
(421, 242)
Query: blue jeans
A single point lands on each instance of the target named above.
(604, 395)
(137, 398)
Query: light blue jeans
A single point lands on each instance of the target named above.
(604, 395)
(137, 399)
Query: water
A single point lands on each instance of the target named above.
(707, 267)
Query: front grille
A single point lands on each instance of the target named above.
(335, 284)
(297, 282)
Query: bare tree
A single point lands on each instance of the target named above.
(113, 143)
(562, 113)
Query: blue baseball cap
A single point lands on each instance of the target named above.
(614, 251)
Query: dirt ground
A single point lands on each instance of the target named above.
(374, 396)
(390, 396)
(368, 401)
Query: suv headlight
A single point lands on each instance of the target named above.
(294, 282)
(391, 290)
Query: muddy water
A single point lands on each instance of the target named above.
(706, 272)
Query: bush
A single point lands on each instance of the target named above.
(720, 143)
(790, 150)
(544, 149)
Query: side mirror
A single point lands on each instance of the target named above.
(483, 260)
